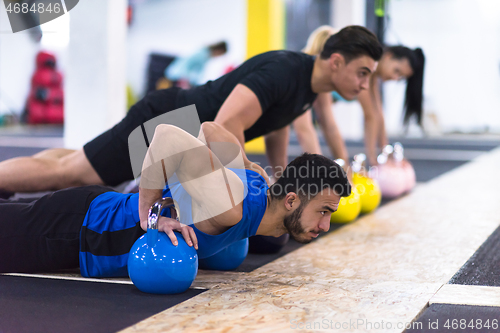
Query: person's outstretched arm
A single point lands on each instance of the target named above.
(323, 108)
(306, 133)
(382, 140)
(257, 93)
(239, 112)
(277, 150)
(373, 120)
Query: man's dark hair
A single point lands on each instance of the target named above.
(352, 42)
(308, 175)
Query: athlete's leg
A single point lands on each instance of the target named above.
(53, 153)
(44, 234)
(109, 152)
(104, 160)
(47, 171)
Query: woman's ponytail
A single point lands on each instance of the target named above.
(414, 87)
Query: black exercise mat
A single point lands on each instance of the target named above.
(47, 305)
(483, 268)
(456, 318)
(437, 144)
(426, 170)
(424, 143)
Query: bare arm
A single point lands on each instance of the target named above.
(155, 174)
(201, 173)
(276, 150)
(372, 119)
(323, 109)
(222, 143)
(306, 133)
(382, 135)
(239, 112)
(146, 199)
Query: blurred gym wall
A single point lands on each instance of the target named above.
(461, 40)
(181, 27)
(17, 64)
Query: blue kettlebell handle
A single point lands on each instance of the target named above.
(153, 216)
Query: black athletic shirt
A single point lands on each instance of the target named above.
(281, 80)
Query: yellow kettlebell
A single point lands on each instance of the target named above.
(369, 192)
(349, 208)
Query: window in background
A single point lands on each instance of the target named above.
(302, 17)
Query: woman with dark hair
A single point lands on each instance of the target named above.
(397, 63)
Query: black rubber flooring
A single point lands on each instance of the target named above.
(456, 318)
(483, 268)
(425, 143)
(426, 170)
(45, 305)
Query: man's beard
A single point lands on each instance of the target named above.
(293, 225)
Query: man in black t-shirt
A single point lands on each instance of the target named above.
(261, 97)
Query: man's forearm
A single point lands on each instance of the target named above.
(323, 108)
(236, 129)
(309, 142)
(372, 114)
(147, 198)
(335, 141)
(377, 98)
(382, 139)
(371, 125)
(172, 152)
(276, 150)
(306, 134)
(239, 112)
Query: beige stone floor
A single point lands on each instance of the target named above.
(380, 271)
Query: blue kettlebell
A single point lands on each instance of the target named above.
(228, 258)
(155, 265)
